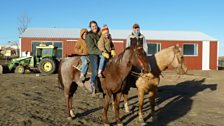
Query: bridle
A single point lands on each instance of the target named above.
(141, 64)
(180, 62)
(139, 60)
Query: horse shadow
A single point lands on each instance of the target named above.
(177, 100)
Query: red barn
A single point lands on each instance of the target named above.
(200, 50)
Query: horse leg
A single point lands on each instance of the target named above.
(140, 103)
(125, 96)
(152, 96)
(73, 88)
(68, 95)
(105, 109)
(114, 97)
(70, 106)
(66, 92)
(117, 98)
(126, 107)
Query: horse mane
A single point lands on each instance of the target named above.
(118, 58)
(164, 51)
(168, 48)
(153, 60)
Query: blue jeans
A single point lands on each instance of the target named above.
(102, 62)
(84, 67)
(94, 66)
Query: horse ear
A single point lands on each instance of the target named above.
(132, 47)
(177, 46)
(180, 48)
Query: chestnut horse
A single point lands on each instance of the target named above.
(148, 83)
(116, 71)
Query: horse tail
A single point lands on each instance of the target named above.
(60, 80)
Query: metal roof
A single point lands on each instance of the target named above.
(118, 34)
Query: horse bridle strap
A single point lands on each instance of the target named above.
(178, 60)
(136, 74)
(140, 62)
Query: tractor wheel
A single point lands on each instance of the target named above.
(47, 66)
(20, 69)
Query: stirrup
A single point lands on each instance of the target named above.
(78, 67)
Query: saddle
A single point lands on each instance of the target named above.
(78, 65)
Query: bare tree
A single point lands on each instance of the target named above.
(23, 22)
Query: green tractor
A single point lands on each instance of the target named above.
(44, 61)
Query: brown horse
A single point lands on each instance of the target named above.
(116, 71)
(148, 83)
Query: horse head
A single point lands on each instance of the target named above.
(178, 60)
(139, 59)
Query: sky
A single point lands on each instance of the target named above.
(206, 16)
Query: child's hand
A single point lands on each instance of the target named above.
(113, 53)
(106, 55)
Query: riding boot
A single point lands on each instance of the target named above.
(93, 90)
(100, 74)
(97, 85)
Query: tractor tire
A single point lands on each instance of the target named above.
(47, 66)
(19, 70)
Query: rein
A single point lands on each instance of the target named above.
(179, 63)
(139, 60)
(136, 74)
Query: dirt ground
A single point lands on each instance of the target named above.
(195, 99)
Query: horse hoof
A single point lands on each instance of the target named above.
(140, 123)
(120, 124)
(106, 124)
(143, 124)
(72, 114)
(126, 108)
(93, 95)
(69, 118)
(127, 111)
(141, 120)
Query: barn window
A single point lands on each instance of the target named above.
(190, 49)
(153, 48)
